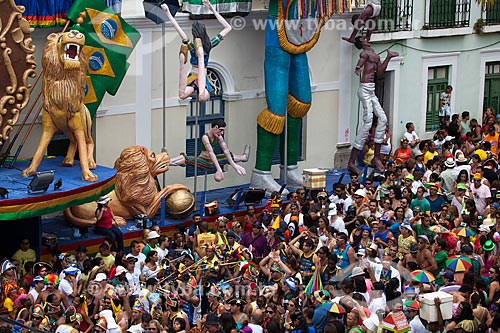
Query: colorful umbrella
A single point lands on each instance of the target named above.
(334, 307)
(439, 229)
(465, 232)
(458, 264)
(422, 276)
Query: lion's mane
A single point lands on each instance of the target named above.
(63, 89)
(134, 182)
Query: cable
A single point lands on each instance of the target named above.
(439, 52)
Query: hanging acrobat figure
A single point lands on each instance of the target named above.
(200, 50)
(369, 67)
(366, 19)
(208, 160)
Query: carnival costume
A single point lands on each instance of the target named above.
(292, 29)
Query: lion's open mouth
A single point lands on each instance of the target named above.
(71, 51)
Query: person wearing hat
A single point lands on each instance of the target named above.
(449, 282)
(72, 321)
(120, 280)
(415, 323)
(37, 287)
(236, 309)
(458, 199)
(69, 285)
(106, 224)
(101, 326)
(480, 192)
(425, 259)
(449, 175)
(409, 261)
(212, 323)
(37, 314)
(152, 242)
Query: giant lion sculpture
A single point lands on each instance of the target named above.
(135, 189)
(64, 71)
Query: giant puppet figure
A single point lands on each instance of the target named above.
(293, 28)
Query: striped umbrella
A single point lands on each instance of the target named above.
(422, 276)
(464, 232)
(439, 229)
(458, 264)
(334, 307)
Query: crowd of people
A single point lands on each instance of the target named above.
(346, 261)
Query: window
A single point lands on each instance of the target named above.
(395, 15)
(493, 13)
(447, 13)
(492, 86)
(207, 112)
(436, 83)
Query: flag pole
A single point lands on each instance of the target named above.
(164, 97)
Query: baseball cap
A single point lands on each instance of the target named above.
(100, 277)
(413, 248)
(120, 270)
(448, 275)
(461, 186)
(360, 192)
(424, 237)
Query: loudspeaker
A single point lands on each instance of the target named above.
(41, 181)
(254, 195)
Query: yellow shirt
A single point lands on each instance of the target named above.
(109, 261)
(493, 140)
(23, 257)
(429, 156)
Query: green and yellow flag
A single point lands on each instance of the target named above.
(109, 41)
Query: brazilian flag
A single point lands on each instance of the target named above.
(109, 41)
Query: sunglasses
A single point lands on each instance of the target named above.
(492, 272)
(270, 312)
(421, 243)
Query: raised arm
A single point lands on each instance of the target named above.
(225, 24)
(239, 169)
(174, 22)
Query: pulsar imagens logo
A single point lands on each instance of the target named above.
(96, 61)
(109, 28)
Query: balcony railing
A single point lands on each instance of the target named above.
(493, 13)
(395, 15)
(447, 14)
